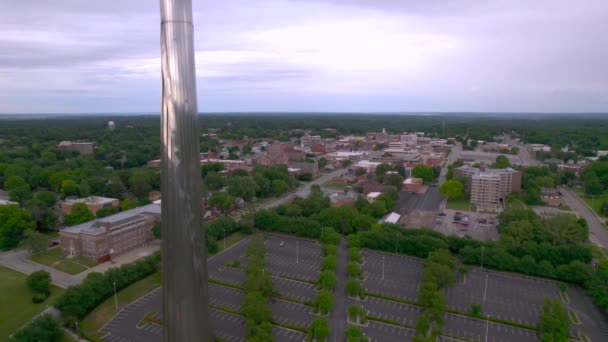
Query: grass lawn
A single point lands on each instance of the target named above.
(53, 258)
(230, 240)
(596, 203)
(103, 313)
(16, 306)
(335, 186)
(459, 204)
(514, 203)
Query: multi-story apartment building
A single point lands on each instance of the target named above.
(104, 238)
(477, 181)
(486, 190)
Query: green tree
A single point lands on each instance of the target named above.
(424, 172)
(85, 188)
(36, 241)
(243, 187)
(13, 222)
(156, 231)
(354, 288)
(115, 188)
(222, 201)
(327, 280)
(18, 189)
(354, 270)
(554, 323)
(324, 302)
(354, 334)
(322, 163)
(501, 162)
(382, 169)
(48, 197)
(44, 328)
(69, 188)
(139, 184)
(318, 329)
(593, 187)
(214, 181)
(279, 187)
(452, 189)
(80, 213)
(39, 282)
(127, 204)
(329, 263)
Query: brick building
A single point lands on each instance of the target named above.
(412, 184)
(94, 203)
(104, 238)
(489, 187)
(80, 147)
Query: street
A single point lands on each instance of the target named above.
(598, 234)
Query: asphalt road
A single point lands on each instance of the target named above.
(598, 234)
(303, 191)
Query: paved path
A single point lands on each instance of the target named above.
(598, 234)
(17, 261)
(303, 191)
(338, 317)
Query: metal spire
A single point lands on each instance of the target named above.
(184, 257)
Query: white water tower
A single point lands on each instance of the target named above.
(111, 125)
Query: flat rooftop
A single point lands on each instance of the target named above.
(95, 227)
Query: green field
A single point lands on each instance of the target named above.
(90, 326)
(53, 258)
(16, 306)
(459, 204)
(596, 203)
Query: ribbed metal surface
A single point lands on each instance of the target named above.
(184, 265)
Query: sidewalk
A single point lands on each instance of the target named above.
(17, 260)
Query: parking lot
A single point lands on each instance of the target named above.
(460, 223)
(509, 297)
(287, 259)
(402, 274)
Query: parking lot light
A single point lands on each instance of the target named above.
(482, 258)
(297, 250)
(487, 325)
(485, 291)
(383, 267)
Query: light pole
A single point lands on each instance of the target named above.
(115, 297)
(482, 257)
(224, 238)
(297, 251)
(487, 325)
(382, 267)
(485, 291)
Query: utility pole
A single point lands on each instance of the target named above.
(184, 258)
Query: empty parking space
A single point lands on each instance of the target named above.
(389, 310)
(475, 329)
(380, 332)
(229, 275)
(506, 296)
(291, 313)
(284, 334)
(292, 257)
(402, 274)
(226, 297)
(294, 289)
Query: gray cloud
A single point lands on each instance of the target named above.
(407, 55)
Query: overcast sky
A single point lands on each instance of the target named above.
(311, 55)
